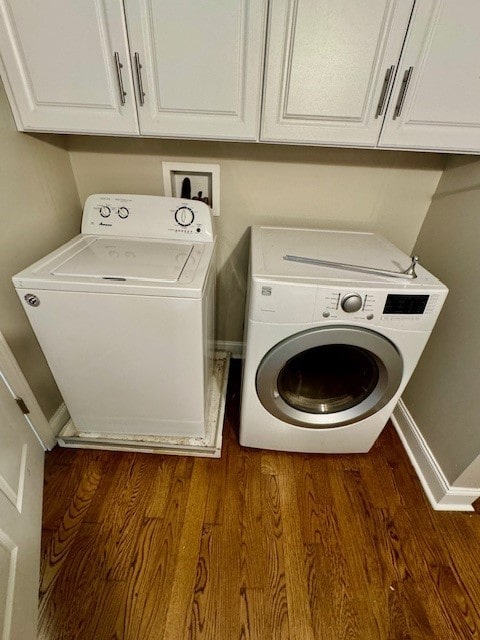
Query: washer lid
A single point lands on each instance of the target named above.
(114, 259)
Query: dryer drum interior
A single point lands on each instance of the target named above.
(329, 377)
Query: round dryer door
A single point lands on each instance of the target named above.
(329, 377)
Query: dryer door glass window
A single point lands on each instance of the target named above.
(328, 379)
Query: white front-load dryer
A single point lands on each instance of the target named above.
(329, 349)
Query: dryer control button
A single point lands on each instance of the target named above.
(351, 302)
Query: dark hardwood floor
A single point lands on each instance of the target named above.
(255, 545)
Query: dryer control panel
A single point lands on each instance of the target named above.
(136, 216)
(416, 309)
(412, 308)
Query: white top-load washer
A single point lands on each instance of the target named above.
(329, 348)
(124, 315)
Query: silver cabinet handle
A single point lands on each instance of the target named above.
(138, 69)
(119, 67)
(385, 91)
(407, 76)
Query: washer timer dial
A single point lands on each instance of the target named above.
(184, 216)
(105, 211)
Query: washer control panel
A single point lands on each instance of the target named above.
(134, 216)
(106, 211)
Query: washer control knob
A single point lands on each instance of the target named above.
(351, 302)
(184, 216)
(105, 211)
(123, 212)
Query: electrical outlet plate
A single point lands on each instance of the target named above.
(203, 177)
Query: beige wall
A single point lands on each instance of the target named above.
(443, 394)
(39, 210)
(386, 192)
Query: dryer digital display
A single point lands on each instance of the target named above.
(405, 304)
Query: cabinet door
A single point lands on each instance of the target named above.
(201, 66)
(436, 100)
(59, 64)
(330, 65)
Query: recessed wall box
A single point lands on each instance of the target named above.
(204, 180)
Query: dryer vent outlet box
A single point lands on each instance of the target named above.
(204, 181)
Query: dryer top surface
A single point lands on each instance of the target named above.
(271, 244)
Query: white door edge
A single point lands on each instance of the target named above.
(21, 485)
(16, 381)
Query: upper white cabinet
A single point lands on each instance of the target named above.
(374, 73)
(186, 68)
(67, 66)
(436, 101)
(398, 74)
(198, 66)
(330, 67)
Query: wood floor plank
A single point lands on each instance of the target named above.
(151, 575)
(252, 559)
(276, 620)
(424, 551)
(462, 538)
(65, 609)
(228, 558)
(311, 501)
(184, 577)
(460, 608)
(157, 498)
(331, 593)
(63, 537)
(123, 523)
(91, 603)
(146, 597)
(206, 604)
(299, 613)
(252, 614)
(215, 503)
(58, 495)
(361, 566)
(116, 471)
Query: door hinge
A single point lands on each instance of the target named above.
(23, 407)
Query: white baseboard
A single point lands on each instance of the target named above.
(235, 348)
(59, 419)
(442, 496)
